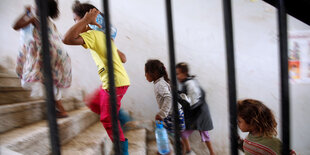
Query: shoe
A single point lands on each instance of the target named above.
(124, 146)
(60, 111)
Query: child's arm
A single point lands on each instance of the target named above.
(122, 56)
(72, 37)
(24, 20)
(240, 143)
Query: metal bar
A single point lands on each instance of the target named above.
(48, 80)
(231, 76)
(112, 92)
(177, 146)
(285, 105)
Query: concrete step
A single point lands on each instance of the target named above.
(9, 80)
(34, 139)
(9, 95)
(21, 114)
(152, 148)
(6, 151)
(137, 141)
(93, 141)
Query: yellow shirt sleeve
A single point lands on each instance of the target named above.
(89, 39)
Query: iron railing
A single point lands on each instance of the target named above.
(232, 99)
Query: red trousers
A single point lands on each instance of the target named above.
(100, 104)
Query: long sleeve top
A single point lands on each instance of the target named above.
(163, 97)
(193, 91)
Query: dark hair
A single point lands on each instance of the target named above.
(183, 68)
(80, 9)
(258, 116)
(156, 69)
(52, 5)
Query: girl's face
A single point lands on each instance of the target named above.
(76, 18)
(148, 77)
(180, 76)
(244, 127)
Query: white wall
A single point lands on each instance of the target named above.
(199, 40)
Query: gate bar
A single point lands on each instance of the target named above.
(231, 77)
(114, 116)
(285, 104)
(177, 146)
(48, 78)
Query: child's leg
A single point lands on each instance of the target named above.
(185, 135)
(124, 117)
(93, 101)
(205, 137)
(61, 113)
(105, 116)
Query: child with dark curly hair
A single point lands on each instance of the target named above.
(257, 119)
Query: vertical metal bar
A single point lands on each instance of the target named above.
(177, 145)
(112, 92)
(285, 106)
(48, 80)
(231, 76)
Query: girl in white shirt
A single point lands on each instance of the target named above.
(155, 72)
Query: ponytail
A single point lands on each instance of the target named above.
(163, 72)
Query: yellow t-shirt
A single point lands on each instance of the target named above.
(96, 42)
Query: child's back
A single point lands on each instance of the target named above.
(262, 145)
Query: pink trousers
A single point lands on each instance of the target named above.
(100, 104)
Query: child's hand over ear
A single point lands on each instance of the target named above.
(91, 16)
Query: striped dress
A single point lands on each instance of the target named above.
(258, 145)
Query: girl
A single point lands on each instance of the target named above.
(79, 10)
(155, 72)
(257, 119)
(197, 115)
(94, 40)
(29, 61)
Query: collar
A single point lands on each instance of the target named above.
(188, 78)
(161, 78)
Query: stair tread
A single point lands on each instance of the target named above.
(8, 75)
(21, 106)
(6, 151)
(137, 144)
(18, 134)
(88, 142)
(15, 107)
(152, 147)
(12, 88)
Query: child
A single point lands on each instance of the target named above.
(197, 115)
(29, 61)
(155, 72)
(257, 119)
(94, 40)
(79, 10)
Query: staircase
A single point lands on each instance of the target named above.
(24, 129)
